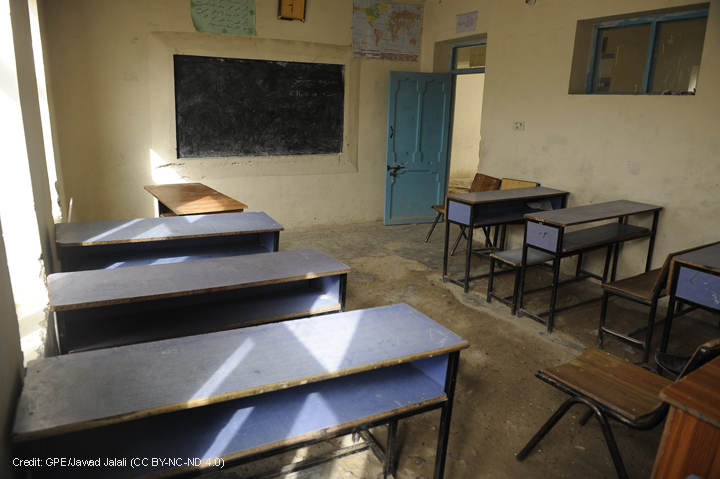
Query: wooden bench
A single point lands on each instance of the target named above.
(143, 241)
(192, 199)
(112, 307)
(238, 395)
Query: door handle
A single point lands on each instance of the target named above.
(394, 169)
(392, 132)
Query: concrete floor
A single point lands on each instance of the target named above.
(499, 403)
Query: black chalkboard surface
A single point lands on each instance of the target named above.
(227, 107)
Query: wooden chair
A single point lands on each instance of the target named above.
(510, 184)
(480, 183)
(613, 388)
(647, 289)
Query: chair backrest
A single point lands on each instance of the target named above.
(510, 184)
(484, 183)
(703, 355)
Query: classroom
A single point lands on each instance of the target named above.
(89, 120)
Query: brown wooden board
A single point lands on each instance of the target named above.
(81, 391)
(538, 192)
(628, 389)
(589, 213)
(84, 289)
(193, 199)
(92, 233)
(601, 235)
(698, 393)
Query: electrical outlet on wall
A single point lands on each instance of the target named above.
(519, 126)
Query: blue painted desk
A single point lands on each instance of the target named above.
(112, 307)
(142, 241)
(238, 395)
(694, 280)
(546, 232)
(492, 208)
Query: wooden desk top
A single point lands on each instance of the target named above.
(193, 198)
(590, 213)
(536, 192)
(92, 233)
(75, 392)
(85, 289)
(707, 257)
(698, 393)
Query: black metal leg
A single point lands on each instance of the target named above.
(557, 415)
(668, 325)
(586, 417)
(490, 279)
(446, 415)
(607, 262)
(523, 268)
(468, 257)
(457, 241)
(445, 249)
(578, 268)
(501, 246)
(651, 246)
(516, 288)
(603, 313)
(389, 463)
(437, 218)
(648, 335)
(556, 280)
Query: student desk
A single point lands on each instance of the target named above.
(111, 307)
(694, 280)
(691, 439)
(142, 241)
(238, 395)
(192, 199)
(546, 232)
(491, 208)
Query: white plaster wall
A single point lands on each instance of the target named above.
(465, 153)
(105, 103)
(654, 149)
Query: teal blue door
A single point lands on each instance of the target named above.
(417, 146)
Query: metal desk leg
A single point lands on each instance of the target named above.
(389, 462)
(447, 239)
(446, 415)
(556, 279)
(651, 246)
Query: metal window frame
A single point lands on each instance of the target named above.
(453, 57)
(655, 22)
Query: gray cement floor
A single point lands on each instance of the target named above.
(499, 403)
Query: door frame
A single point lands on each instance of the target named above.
(453, 91)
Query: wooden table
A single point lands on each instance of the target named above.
(491, 208)
(143, 241)
(694, 280)
(112, 307)
(192, 199)
(238, 395)
(545, 231)
(691, 439)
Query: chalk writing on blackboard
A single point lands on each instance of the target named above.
(230, 17)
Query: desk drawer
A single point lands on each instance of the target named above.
(698, 287)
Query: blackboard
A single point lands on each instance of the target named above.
(228, 107)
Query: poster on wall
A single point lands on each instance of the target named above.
(228, 17)
(386, 31)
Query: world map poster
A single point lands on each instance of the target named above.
(386, 31)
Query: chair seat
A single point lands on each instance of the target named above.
(627, 389)
(640, 286)
(439, 208)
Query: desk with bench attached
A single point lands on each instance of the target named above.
(545, 233)
(142, 241)
(235, 396)
(112, 307)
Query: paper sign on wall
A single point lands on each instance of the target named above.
(230, 17)
(466, 22)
